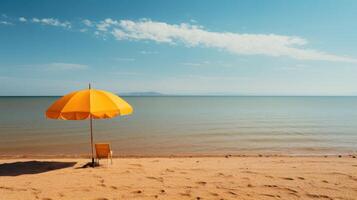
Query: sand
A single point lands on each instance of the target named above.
(181, 178)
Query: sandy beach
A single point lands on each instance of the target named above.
(280, 177)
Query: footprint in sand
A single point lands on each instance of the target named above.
(7, 188)
(268, 195)
(35, 191)
(287, 178)
(250, 172)
(201, 182)
(185, 194)
(223, 175)
(291, 191)
(114, 187)
(169, 170)
(160, 179)
(232, 193)
(12, 189)
(102, 183)
(126, 172)
(318, 196)
(214, 194)
(271, 186)
(295, 194)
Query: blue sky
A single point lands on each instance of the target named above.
(179, 47)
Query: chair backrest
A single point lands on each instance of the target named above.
(102, 150)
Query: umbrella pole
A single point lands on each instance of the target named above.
(91, 139)
(91, 132)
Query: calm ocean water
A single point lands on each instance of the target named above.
(188, 125)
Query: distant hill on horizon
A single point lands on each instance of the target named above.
(142, 94)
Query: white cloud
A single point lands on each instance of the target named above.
(52, 22)
(102, 27)
(236, 43)
(65, 66)
(193, 21)
(106, 24)
(87, 22)
(36, 20)
(22, 19)
(193, 35)
(6, 23)
(148, 52)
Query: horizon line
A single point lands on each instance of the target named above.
(193, 95)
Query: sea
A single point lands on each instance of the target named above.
(188, 126)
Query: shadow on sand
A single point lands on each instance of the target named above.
(89, 164)
(32, 167)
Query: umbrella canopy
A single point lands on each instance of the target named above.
(88, 104)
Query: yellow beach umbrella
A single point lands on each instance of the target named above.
(88, 104)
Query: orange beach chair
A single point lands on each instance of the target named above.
(103, 151)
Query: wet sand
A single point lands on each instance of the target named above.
(280, 177)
